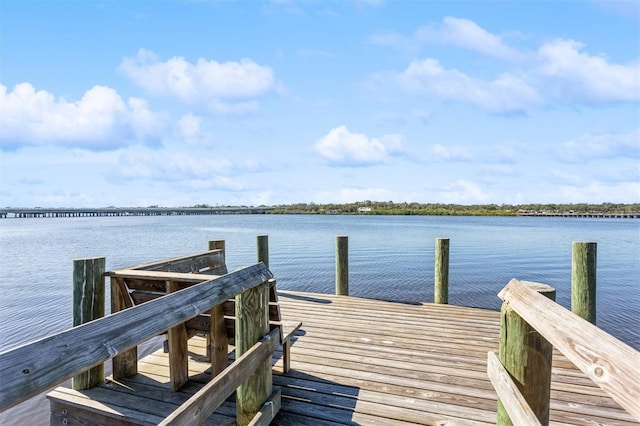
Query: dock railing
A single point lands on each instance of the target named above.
(35, 367)
(532, 325)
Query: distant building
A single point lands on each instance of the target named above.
(364, 209)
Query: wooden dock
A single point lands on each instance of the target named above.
(356, 361)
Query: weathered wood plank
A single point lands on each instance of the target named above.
(201, 405)
(159, 276)
(342, 265)
(611, 364)
(527, 356)
(441, 272)
(252, 322)
(190, 263)
(517, 407)
(369, 389)
(76, 410)
(178, 350)
(31, 368)
(125, 363)
(583, 280)
(218, 350)
(268, 410)
(88, 305)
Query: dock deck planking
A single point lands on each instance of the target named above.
(363, 361)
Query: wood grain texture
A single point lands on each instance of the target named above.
(342, 265)
(186, 264)
(441, 272)
(527, 356)
(88, 305)
(517, 407)
(178, 350)
(202, 404)
(611, 364)
(424, 364)
(31, 368)
(583, 280)
(252, 322)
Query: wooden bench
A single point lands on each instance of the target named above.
(139, 284)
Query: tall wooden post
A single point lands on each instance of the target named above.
(527, 356)
(88, 305)
(441, 272)
(218, 342)
(218, 245)
(263, 249)
(178, 349)
(583, 280)
(342, 265)
(252, 323)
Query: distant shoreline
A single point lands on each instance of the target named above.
(605, 210)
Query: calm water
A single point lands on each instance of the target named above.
(390, 257)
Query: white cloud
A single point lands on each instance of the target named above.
(153, 165)
(341, 147)
(603, 146)
(575, 75)
(451, 153)
(218, 85)
(505, 94)
(100, 120)
(507, 155)
(566, 178)
(350, 195)
(464, 192)
(621, 192)
(492, 170)
(560, 71)
(468, 35)
(458, 32)
(190, 131)
(190, 126)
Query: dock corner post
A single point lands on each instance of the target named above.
(217, 340)
(218, 245)
(88, 305)
(527, 356)
(263, 249)
(342, 265)
(583, 280)
(252, 323)
(441, 272)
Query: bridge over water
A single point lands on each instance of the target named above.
(127, 211)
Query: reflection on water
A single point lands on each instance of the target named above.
(390, 257)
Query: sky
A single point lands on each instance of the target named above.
(178, 103)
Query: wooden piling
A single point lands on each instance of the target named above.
(252, 323)
(583, 280)
(342, 265)
(441, 272)
(263, 249)
(88, 305)
(178, 349)
(527, 357)
(218, 245)
(217, 341)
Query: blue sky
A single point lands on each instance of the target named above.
(276, 102)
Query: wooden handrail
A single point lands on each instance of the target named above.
(204, 402)
(608, 362)
(34, 367)
(517, 407)
(178, 277)
(185, 263)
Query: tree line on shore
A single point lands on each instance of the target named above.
(438, 209)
